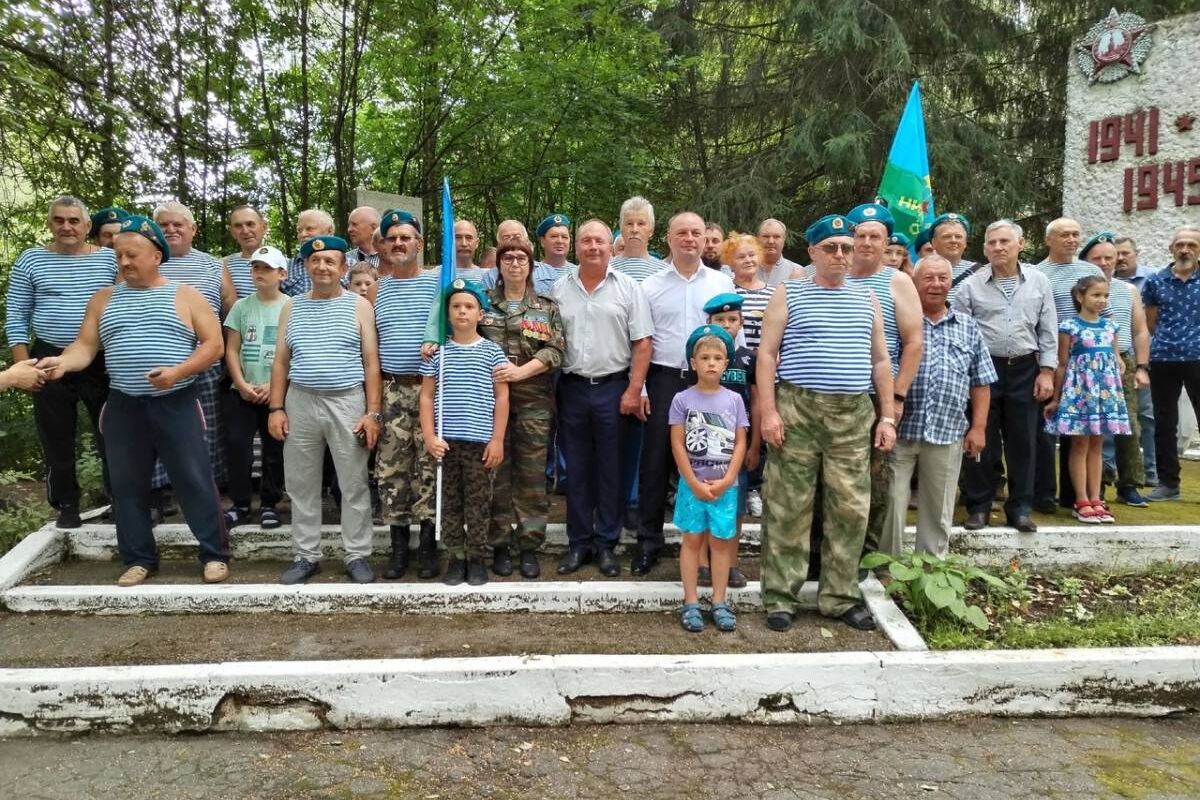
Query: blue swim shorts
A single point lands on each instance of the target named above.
(718, 518)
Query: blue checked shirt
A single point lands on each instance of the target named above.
(1177, 331)
(955, 359)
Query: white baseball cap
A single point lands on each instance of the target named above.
(272, 257)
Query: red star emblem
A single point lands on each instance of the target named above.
(1184, 122)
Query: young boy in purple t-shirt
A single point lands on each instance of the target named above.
(708, 439)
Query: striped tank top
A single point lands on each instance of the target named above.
(200, 271)
(140, 330)
(1120, 302)
(239, 272)
(827, 342)
(401, 309)
(881, 285)
(325, 342)
(754, 306)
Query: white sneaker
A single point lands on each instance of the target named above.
(754, 503)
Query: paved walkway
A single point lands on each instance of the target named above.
(977, 759)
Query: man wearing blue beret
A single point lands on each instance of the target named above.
(554, 235)
(948, 234)
(106, 223)
(821, 355)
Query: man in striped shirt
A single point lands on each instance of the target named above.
(637, 229)
(466, 242)
(48, 292)
(361, 226)
(249, 229)
(106, 223)
(554, 235)
(823, 340)
(948, 235)
(309, 223)
(772, 236)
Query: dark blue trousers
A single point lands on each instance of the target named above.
(657, 462)
(589, 430)
(171, 428)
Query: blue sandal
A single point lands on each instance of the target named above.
(690, 618)
(723, 617)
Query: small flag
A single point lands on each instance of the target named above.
(905, 187)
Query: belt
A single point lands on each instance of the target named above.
(612, 376)
(1012, 361)
(675, 372)
(403, 380)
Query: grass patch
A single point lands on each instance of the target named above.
(1156, 607)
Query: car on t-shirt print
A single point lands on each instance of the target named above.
(706, 435)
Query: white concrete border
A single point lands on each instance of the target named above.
(890, 619)
(37, 550)
(557, 690)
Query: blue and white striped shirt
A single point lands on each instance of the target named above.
(140, 330)
(1063, 278)
(638, 268)
(49, 293)
(469, 407)
(1120, 302)
(240, 274)
(826, 344)
(200, 271)
(754, 307)
(880, 285)
(326, 343)
(402, 307)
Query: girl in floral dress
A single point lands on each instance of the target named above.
(1088, 398)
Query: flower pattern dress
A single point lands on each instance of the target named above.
(1093, 401)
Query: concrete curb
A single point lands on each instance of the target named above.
(890, 619)
(37, 550)
(1108, 547)
(558, 690)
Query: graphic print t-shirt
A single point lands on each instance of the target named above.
(710, 422)
(258, 324)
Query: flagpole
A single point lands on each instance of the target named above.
(444, 281)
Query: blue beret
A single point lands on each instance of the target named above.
(827, 226)
(710, 330)
(872, 212)
(900, 239)
(473, 288)
(397, 217)
(951, 217)
(1103, 236)
(318, 243)
(106, 216)
(922, 239)
(552, 221)
(144, 226)
(728, 301)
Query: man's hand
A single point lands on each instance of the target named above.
(631, 403)
(885, 437)
(427, 351)
(163, 377)
(50, 367)
(368, 430)
(974, 442)
(772, 429)
(1043, 386)
(436, 447)
(25, 375)
(507, 373)
(277, 424)
(752, 457)
(493, 454)
(1141, 378)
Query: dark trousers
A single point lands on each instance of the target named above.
(657, 461)
(55, 413)
(1012, 429)
(242, 420)
(1167, 380)
(590, 426)
(171, 428)
(1044, 483)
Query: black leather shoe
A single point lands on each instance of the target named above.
(398, 563)
(779, 621)
(859, 618)
(975, 521)
(1024, 524)
(360, 571)
(530, 568)
(736, 579)
(643, 562)
(427, 552)
(299, 572)
(502, 561)
(572, 561)
(1047, 505)
(607, 563)
(477, 572)
(456, 572)
(68, 517)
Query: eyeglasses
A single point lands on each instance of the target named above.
(514, 258)
(833, 248)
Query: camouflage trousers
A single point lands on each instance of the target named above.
(466, 500)
(1131, 470)
(881, 491)
(519, 489)
(404, 471)
(823, 434)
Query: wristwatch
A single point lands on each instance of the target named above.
(888, 420)
(376, 415)
(1143, 366)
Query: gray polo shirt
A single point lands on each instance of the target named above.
(779, 273)
(600, 327)
(1013, 326)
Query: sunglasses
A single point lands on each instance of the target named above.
(833, 248)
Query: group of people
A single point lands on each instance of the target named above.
(722, 375)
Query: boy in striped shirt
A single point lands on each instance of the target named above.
(466, 433)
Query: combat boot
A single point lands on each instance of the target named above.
(427, 554)
(398, 563)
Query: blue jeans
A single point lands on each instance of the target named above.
(171, 428)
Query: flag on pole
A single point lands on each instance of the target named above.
(447, 276)
(905, 187)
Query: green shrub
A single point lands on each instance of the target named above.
(934, 590)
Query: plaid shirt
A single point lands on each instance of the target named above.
(955, 359)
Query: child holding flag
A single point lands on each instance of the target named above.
(464, 413)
